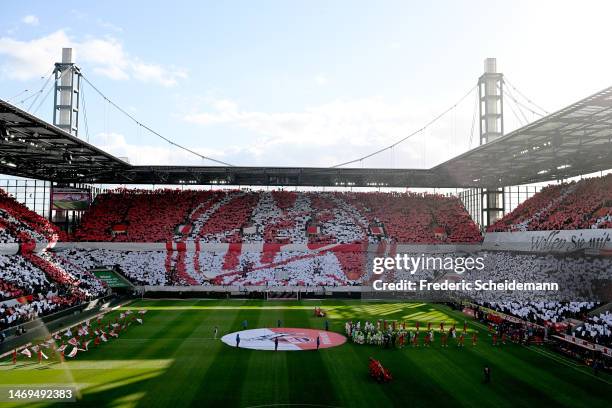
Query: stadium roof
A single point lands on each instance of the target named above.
(283, 176)
(573, 141)
(33, 148)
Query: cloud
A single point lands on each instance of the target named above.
(109, 26)
(30, 59)
(156, 73)
(105, 56)
(143, 154)
(321, 79)
(30, 19)
(318, 136)
(339, 131)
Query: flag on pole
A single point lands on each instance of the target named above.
(26, 352)
(103, 338)
(73, 341)
(73, 353)
(62, 348)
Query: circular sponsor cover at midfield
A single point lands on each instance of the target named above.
(289, 339)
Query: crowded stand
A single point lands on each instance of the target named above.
(541, 312)
(329, 231)
(83, 278)
(293, 268)
(286, 268)
(37, 306)
(137, 215)
(224, 225)
(577, 277)
(140, 267)
(23, 277)
(242, 216)
(20, 224)
(597, 329)
(39, 287)
(418, 218)
(586, 204)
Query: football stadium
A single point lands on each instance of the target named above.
(278, 204)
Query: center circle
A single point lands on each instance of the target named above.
(289, 339)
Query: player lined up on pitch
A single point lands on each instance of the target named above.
(394, 334)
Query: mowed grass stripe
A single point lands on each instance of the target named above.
(224, 378)
(171, 360)
(185, 378)
(308, 368)
(527, 367)
(266, 380)
(181, 325)
(550, 357)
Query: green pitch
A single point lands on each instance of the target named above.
(172, 360)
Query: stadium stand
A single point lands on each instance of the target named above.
(276, 217)
(32, 285)
(542, 312)
(19, 224)
(138, 215)
(597, 329)
(579, 276)
(578, 205)
(287, 268)
(142, 268)
(331, 227)
(39, 287)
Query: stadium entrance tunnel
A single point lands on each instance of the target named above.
(283, 339)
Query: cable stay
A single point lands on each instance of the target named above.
(142, 125)
(416, 132)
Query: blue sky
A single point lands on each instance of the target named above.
(301, 82)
